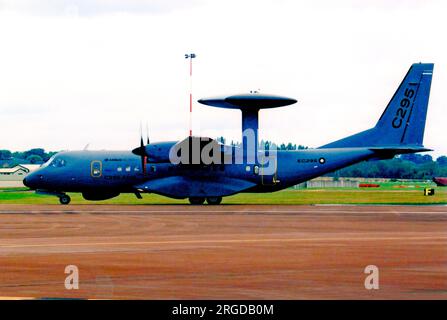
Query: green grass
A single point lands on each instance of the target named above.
(392, 185)
(12, 189)
(404, 185)
(383, 195)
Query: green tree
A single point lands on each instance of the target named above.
(221, 140)
(34, 159)
(5, 154)
(37, 151)
(291, 146)
(442, 160)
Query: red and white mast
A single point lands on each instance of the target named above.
(190, 56)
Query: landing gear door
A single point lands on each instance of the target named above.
(268, 170)
(96, 169)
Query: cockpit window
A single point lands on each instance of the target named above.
(46, 164)
(59, 162)
(56, 162)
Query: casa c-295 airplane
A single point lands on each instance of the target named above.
(165, 168)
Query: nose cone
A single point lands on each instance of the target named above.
(30, 180)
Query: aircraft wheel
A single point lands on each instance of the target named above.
(64, 199)
(196, 200)
(214, 200)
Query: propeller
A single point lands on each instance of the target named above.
(143, 155)
(142, 151)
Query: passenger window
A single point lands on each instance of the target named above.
(153, 168)
(256, 170)
(119, 169)
(128, 169)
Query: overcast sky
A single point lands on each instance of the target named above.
(74, 72)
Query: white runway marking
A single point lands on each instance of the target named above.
(221, 241)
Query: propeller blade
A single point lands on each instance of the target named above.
(142, 151)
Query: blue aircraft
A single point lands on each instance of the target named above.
(179, 169)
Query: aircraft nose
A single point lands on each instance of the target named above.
(30, 180)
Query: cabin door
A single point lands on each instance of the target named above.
(268, 172)
(96, 169)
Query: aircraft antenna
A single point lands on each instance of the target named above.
(190, 56)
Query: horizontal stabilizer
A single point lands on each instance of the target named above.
(400, 149)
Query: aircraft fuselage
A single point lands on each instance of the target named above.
(121, 172)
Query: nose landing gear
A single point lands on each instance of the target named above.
(64, 199)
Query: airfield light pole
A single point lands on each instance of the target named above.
(190, 56)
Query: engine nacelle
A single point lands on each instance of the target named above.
(97, 196)
(155, 152)
(158, 152)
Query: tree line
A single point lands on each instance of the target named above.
(407, 166)
(33, 156)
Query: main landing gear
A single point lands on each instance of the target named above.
(201, 200)
(214, 200)
(64, 199)
(196, 200)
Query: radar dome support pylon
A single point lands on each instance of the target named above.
(249, 104)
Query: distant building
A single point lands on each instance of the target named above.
(17, 173)
(8, 163)
(327, 182)
(31, 167)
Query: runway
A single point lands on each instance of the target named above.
(223, 252)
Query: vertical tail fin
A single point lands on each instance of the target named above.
(403, 121)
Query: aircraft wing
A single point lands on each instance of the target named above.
(389, 152)
(181, 187)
